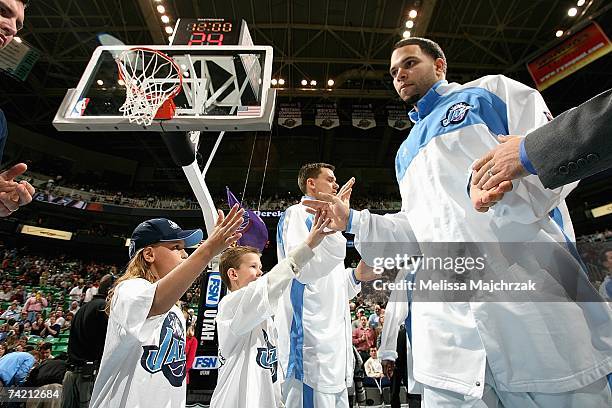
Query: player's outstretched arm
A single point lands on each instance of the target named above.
(172, 286)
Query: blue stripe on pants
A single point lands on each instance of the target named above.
(307, 397)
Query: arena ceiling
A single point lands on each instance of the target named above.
(347, 40)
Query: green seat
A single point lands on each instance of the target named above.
(60, 347)
(64, 335)
(51, 340)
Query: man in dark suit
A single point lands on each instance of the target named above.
(583, 135)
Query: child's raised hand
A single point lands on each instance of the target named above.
(225, 233)
(317, 232)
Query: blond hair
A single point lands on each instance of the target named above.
(138, 267)
(231, 258)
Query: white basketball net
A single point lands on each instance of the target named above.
(151, 78)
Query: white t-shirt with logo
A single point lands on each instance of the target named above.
(144, 362)
(250, 375)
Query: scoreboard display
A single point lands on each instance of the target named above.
(206, 31)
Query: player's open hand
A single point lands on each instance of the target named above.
(226, 230)
(482, 200)
(317, 232)
(12, 194)
(336, 207)
(345, 191)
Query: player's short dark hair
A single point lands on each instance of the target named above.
(311, 170)
(428, 46)
(230, 258)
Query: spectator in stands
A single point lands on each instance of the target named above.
(364, 338)
(23, 317)
(5, 290)
(91, 291)
(48, 371)
(18, 295)
(379, 329)
(15, 367)
(373, 320)
(37, 326)
(74, 306)
(67, 323)
(2, 350)
(51, 329)
(191, 345)
(35, 304)
(77, 292)
(12, 312)
(4, 332)
(374, 371)
(357, 320)
(59, 318)
(44, 351)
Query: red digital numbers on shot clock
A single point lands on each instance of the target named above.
(206, 31)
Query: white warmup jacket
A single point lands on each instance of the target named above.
(313, 319)
(529, 346)
(250, 376)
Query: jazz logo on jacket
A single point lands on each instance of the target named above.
(267, 358)
(169, 356)
(456, 114)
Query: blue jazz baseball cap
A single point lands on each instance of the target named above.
(161, 230)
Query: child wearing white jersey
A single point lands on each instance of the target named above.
(250, 375)
(144, 361)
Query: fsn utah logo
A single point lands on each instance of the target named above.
(267, 358)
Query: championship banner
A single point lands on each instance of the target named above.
(363, 117)
(397, 117)
(290, 115)
(326, 116)
(575, 52)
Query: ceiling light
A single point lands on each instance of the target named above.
(273, 81)
(572, 12)
(412, 14)
(559, 33)
(330, 82)
(409, 24)
(100, 82)
(281, 81)
(304, 82)
(17, 39)
(580, 3)
(169, 29)
(165, 19)
(313, 83)
(406, 34)
(161, 9)
(121, 82)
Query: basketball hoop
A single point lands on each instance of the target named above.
(152, 79)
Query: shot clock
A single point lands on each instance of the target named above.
(206, 31)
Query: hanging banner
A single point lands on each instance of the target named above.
(326, 116)
(363, 117)
(575, 52)
(397, 117)
(290, 115)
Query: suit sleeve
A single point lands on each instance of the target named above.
(395, 314)
(529, 201)
(585, 134)
(3, 133)
(293, 229)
